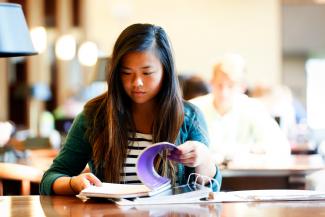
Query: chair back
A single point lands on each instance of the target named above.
(18, 172)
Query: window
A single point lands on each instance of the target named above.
(315, 93)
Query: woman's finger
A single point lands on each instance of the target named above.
(84, 183)
(185, 148)
(191, 162)
(93, 179)
(187, 156)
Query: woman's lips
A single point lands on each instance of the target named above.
(138, 93)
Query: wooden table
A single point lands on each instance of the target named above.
(270, 173)
(38, 206)
(40, 158)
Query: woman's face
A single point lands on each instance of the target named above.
(141, 75)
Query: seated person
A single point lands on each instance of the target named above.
(238, 124)
(142, 106)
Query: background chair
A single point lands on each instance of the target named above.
(18, 172)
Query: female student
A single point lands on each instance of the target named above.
(142, 106)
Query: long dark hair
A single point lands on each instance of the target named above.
(109, 116)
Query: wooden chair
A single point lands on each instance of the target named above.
(19, 172)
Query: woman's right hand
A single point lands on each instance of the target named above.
(82, 181)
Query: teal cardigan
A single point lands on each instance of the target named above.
(76, 152)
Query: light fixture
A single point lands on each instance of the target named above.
(15, 38)
(65, 47)
(88, 53)
(39, 38)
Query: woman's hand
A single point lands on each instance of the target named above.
(190, 153)
(82, 181)
(195, 154)
(73, 185)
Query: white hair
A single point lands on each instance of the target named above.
(233, 65)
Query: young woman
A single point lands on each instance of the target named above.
(142, 106)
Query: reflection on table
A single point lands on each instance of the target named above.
(71, 206)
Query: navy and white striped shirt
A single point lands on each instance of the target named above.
(135, 147)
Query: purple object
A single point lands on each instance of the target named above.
(145, 165)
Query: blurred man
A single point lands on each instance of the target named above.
(238, 125)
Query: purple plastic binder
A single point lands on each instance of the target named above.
(145, 165)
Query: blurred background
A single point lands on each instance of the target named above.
(283, 42)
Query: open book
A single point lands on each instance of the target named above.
(153, 183)
(111, 190)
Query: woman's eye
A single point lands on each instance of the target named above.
(126, 73)
(147, 73)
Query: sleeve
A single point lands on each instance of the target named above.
(72, 159)
(198, 132)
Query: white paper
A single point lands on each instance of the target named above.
(240, 196)
(267, 195)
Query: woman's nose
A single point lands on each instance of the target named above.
(138, 82)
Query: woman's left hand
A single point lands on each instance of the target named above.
(190, 153)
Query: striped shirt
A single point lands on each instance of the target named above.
(135, 147)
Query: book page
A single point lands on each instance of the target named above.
(115, 190)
